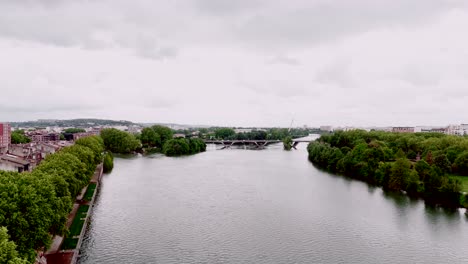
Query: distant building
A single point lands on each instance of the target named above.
(403, 129)
(243, 130)
(5, 137)
(178, 136)
(326, 128)
(43, 136)
(438, 130)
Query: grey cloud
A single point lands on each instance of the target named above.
(284, 60)
(254, 62)
(314, 22)
(337, 73)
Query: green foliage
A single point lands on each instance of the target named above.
(34, 206)
(164, 133)
(149, 138)
(287, 143)
(464, 183)
(8, 253)
(31, 211)
(74, 130)
(460, 165)
(95, 143)
(118, 141)
(369, 156)
(18, 137)
(182, 146)
(108, 162)
(225, 133)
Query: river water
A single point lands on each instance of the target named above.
(260, 206)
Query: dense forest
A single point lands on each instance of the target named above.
(427, 165)
(34, 206)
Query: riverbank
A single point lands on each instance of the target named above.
(421, 165)
(65, 250)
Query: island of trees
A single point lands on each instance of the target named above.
(152, 139)
(427, 165)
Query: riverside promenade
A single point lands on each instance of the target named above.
(56, 254)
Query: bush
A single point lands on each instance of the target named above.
(182, 146)
(108, 163)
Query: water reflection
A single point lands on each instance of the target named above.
(268, 206)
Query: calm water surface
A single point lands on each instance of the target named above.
(268, 206)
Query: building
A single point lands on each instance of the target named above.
(438, 130)
(43, 136)
(77, 136)
(403, 129)
(13, 163)
(5, 137)
(326, 128)
(457, 130)
(178, 136)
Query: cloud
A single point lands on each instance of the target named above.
(361, 62)
(284, 60)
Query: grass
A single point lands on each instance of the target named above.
(69, 243)
(89, 192)
(464, 180)
(75, 228)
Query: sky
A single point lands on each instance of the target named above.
(236, 63)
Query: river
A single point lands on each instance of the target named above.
(260, 206)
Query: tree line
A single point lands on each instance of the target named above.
(34, 206)
(264, 134)
(420, 164)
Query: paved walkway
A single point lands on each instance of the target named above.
(54, 255)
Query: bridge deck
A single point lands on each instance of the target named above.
(252, 141)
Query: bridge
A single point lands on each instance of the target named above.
(252, 142)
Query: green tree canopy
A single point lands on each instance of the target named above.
(74, 130)
(150, 138)
(119, 141)
(18, 137)
(224, 133)
(164, 133)
(8, 253)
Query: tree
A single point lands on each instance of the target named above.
(95, 143)
(164, 133)
(443, 163)
(150, 138)
(176, 147)
(119, 141)
(461, 163)
(18, 137)
(108, 162)
(74, 130)
(224, 133)
(399, 173)
(31, 211)
(287, 143)
(8, 253)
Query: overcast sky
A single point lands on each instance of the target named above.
(236, 63)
